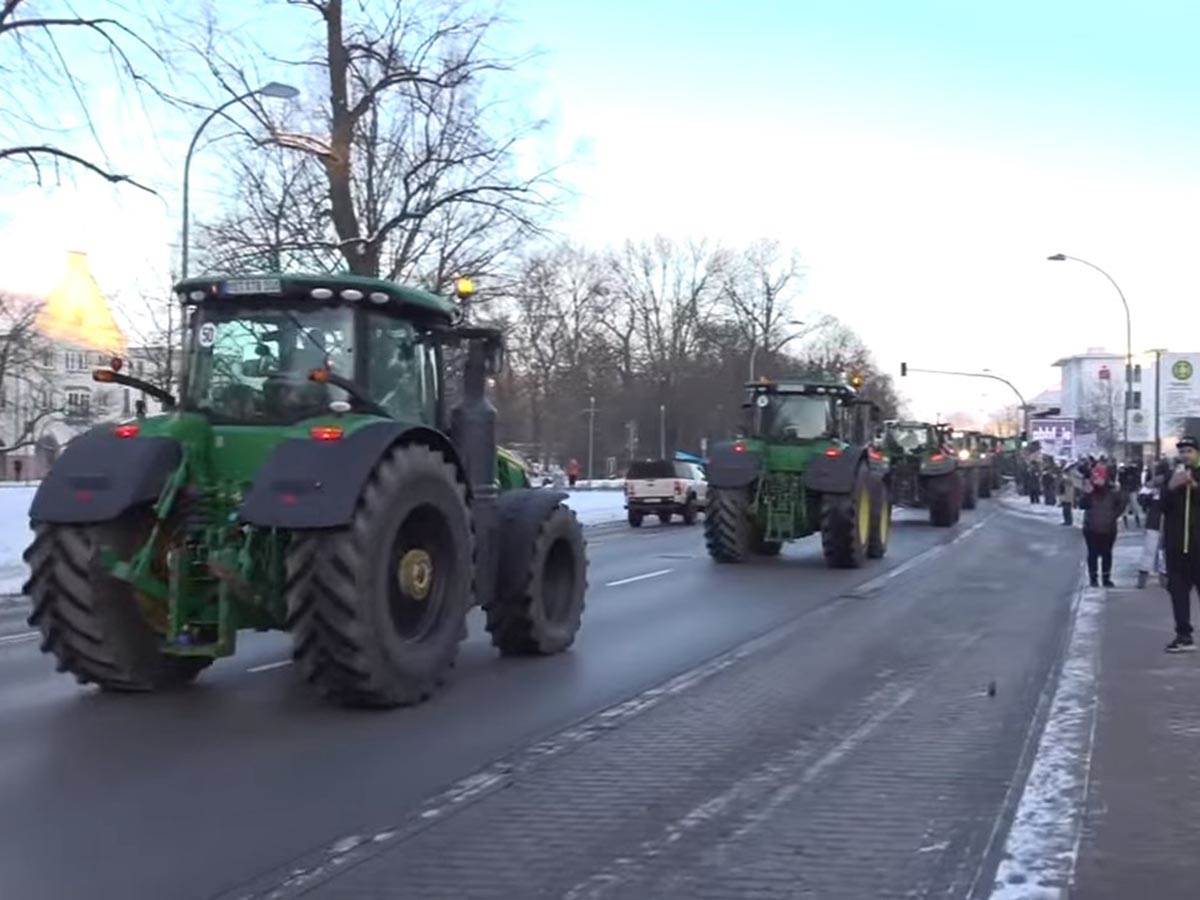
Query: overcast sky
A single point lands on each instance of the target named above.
(923, 158)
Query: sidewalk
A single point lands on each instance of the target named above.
(1141, 827)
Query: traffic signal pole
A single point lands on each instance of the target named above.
(905, 368)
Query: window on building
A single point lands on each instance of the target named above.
(76, 361)
(1135, 400)
(79, 404)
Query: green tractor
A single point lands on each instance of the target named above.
(924, 470)
(804, 466)
(308, 478)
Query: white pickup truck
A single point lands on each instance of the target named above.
(665, 488)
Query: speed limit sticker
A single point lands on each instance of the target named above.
(208, 334)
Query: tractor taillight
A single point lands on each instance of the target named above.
(128, 430)
(833, 452)
(739, 447)
(326, 432)
(937, 457)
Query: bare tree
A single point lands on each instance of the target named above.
(758, 288)
(37, 60)
(419, 177)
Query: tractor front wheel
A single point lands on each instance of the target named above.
(538, 605)
(846, 524)
(93, 623)
(727, 524)
(376, 609)
(881, 519)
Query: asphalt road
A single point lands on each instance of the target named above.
(246, 776)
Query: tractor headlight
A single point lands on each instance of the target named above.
(964, 454)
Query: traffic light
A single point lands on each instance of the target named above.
(903, 369)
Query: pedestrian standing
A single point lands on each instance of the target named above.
(1150, 500)
(1035, 483)
(1067, 498)
(1181, 531)
(1049, 480)
(573, 470)
(1130, 479)
(1102, 504)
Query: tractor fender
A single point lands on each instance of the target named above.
(731, 468)
(941, 467)
(834, 474)
(519, 516)
(317, 484)
(101, 476)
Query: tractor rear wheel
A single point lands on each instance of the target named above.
(539, 610)
(846, 524)
(91, 622)
(970, 489)
(881, 519)
(727, 524)
(376, 609)
(942, 497)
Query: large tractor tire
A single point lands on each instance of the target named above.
(727, 526)
(377, 608)
(942, 495)
(95, 625)
(881, 519)
(985, 483)
(846, 524)
(538, 608)
(970, 489)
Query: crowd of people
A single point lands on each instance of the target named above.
(1158, 497)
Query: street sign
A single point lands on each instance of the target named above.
(1056, 436)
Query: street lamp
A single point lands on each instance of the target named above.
(1060, 257)
(754, 351)
(272, 89)
(662, 431)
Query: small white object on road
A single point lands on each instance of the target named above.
(634, 578)
(266, 667)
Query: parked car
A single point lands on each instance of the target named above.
(665, 488)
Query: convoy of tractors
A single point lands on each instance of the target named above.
(310, 478)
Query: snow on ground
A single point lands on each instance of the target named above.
(15, 535)
(594, 507)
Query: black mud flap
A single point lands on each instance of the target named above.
(834, 474)
(101, 476)
(729, 467)
(316, 484)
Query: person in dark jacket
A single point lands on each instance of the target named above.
(1181, 540)
(1034, 482)
(1102, 505)
(1049, 485)
(1150, 500)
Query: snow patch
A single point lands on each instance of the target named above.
(1043, 843)
(15, 534)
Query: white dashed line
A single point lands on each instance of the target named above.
(638, 578)
(19, 638)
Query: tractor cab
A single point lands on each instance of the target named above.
(796, 412)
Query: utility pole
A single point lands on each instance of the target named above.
(662, 431)
(1158, 355)
(591, 434)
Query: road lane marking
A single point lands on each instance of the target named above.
(634, 578)
(19, 638)
(266, 667)
(869, 587)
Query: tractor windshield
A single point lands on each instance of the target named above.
(796, 416)
(909, 438)
(250, 365)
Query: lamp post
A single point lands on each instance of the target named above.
(271, 89)
(662, 431)
(591, 434)
(1060, 257)
(754, 350)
